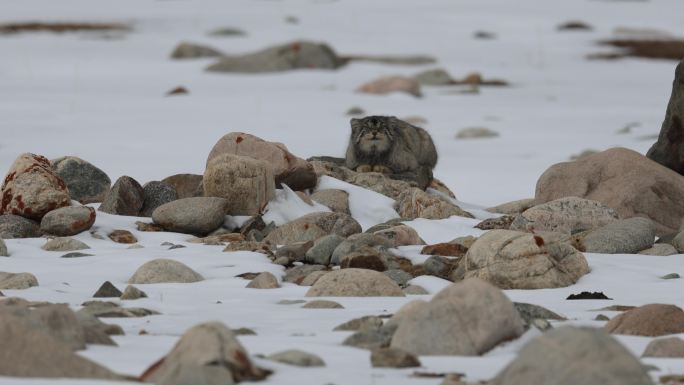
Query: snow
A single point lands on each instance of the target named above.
(102, 98)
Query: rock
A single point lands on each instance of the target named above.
(678, 242)
(356, 111)
(227, 32)
(466, 318)
(355, 283)
(58, 321)
(259, 247)
(132, 292)
(322, 304)
(298, 273)
(155, 194)
(336, 200)
(313, 226)
(17, 281)
(441, 267)
(180, 90)
(588, 295)
(399, 276)
(264, 280)
(390, 84)
(207, 353)
(3, 249)
(200, 215)
(294, 251)
(284, 57)
(500, 223)
(31, 352)
(377, 182)
(312, 278)
(64, 244)
(96, 331)
(565, 215)
(513, 208)
(445, 250)
(86, 183)
(401, 235)
(476, 133)
(626, 236)
(186, 185)
(574, 25)
(670, 276)
(434, 77)
(286, 168)
(67, 221)
(15, 226)
(76, 254)
(164, 271)
(666, 149)
(660, 249)
(297, 358)
(622, 179)
(393, 358)
(516, 260)
(126, 197)
(322, 249)
(415, 290)
(364, 323)
(672, 347)
(246, 183)
(122, 236)
(148, 227)
(364, 258)
(532, 314)
(31, 189)
(356, 242)
(545, 360)
(102, 309)
(107, 290)
(651, 320)
(186, 50)
(415, 203)
(371, 338)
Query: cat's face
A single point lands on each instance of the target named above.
(373, 134)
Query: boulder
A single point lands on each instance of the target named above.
(401, 235)
(678, 242)
(246, 183)
(31, 189)
(64, 244)
(393, 358)
(126, 197)
(187, 50)
(365, 258)
(435, 77)
(155, 194)
(283, 57)
(513, 208)
(297, 358)
(672, 347)
(264, 280)
(389, 84)
(107, 290)
(186, 185)
(660, 249)
(122, 236)
(355, 283)
(622, 179)
(322, 249)
(58, 321)
(476, 133)
(651, 320)
(376, 181)
(570, 355)
(207, 353)
(17, 281)
(131, 292)
(164, 271)
(296, 173)
(322, 304)
(363, 323)
(466, 318)
(356, 242)
(516, 260)
(565, 215)
(336, 200)
(86, 183)
(312, 226)
(626, 236)
(199, 215)
(15, 226)
(67, 221)
(668, 150)
(3, 249)
(414, 203)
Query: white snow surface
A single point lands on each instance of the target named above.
(101, 97)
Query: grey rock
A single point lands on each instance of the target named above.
(366, 258)
(399, 276)
(678, 242)
(356, 242)
(15, 226)
(336, 200)
(97, 332)
(626, 236)
(565, 215)
(322, 249)
(322, 304)
(440, 266)
(535, 315)
(131, 292)
(355, 283)
(476, 133)
(312, 278)
(155, 194)
(435, 77)
(313, 226)
(671, 347)
(416, 203)
(358, 324)
(514, 207)
(186, 185)
(294, 251)
(415, 290)
(200, 215)
(86, 183)
(58, 321)
(187, 50)
(660, 249)
(67, 221)
(17, 281)
(393, 358)
(667, 148)
(227, 32)
(297, 358)
(372, 338)
(264, 280)
(107, 290)
(126, 197)
(298, 273)
(670, 276)
(102, 309)
(3, 249)
(164, 271)
(64, 244)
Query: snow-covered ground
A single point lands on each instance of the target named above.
(102, 98)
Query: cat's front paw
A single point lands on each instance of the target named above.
(364, 168)
(382, 169)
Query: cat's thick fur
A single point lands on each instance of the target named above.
(391, 146)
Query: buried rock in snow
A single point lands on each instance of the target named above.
(17, 281)
(200, 215)
(164, 271)
(64, 244)
(390, 84)
(67, 221)
(565, 215)
(355, 283)
(651, 320)
(626, 236)
(313, 226)
(672, 347)
(416, 203)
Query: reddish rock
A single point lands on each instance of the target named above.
(122, 236)
(390, 84)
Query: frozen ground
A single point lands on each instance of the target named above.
(101, 98)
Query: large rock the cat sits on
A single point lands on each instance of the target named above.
(391, 146)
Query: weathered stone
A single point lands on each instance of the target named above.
(246, 183)
(660, 249)
(622, 179)
(264, 280)
(31, 189)
(532, 314)
(336, 200)
(58, 321)
(513, 208)
(372, 338)
(441, 267)
(626, 236)
(515, 260)
(672, 347)
(546, 360)
(259, 247)
(96, 331)
(64, 244)
(286, 168)
(148, 227)
(363, 323)
(17, 281)
(294, 251)
(200, 215)
(390, 84)
(15, 226)
(434, 77)
(155, 194)
(313, 226)
(102, 309)
(415, 203)
(565, 215)
(500, 223)
(164, 271)
(445, 250)
(678, 242)
(131, 292)
(322, 249)
(415, 290)
(355, 283)
(393, 358)
(466, 318)
(122, 236)
(322, 304)
(357, 242)
(3, 249)
(399, 276)
(187, 50)
(401, 235)
(86, 183)
(297, 358)
(667, 149)
(651, 320)
(67, 221)
(476, 133)
(126, 197)
(312, 278)
(365, 257)
(375, 181)
(186, 185)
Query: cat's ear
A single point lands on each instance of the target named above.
(355, 125)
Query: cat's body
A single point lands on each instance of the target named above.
(391, 146)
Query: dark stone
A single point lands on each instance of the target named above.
(86, 183)
(298, 273)
(186, 185)
(156, 194)
(298, 179)
(75, 254)
(126, 197)
(254, 223)
(107, 290)
(15, 226)
(668, 150)
(445, 250)
(440, 266)
(372, 338)
(503, 222)
(365, 258)
(588, 295)
(393, 358)
(122, 236)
